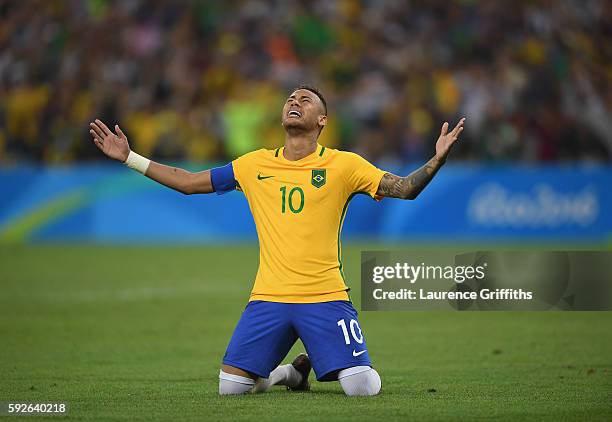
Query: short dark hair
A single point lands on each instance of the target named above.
(316, 92)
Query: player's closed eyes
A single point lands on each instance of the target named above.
(303, 99)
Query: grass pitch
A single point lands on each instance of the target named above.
(138, 334)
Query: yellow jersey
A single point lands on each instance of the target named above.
(298, 208)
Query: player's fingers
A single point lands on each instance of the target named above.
(120, 132)
(99, 144)
(104, 128)
(444, 129)
(95, 136)
(459, 126)
(458, 132)
(98, 130)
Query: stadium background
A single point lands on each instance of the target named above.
(114, 284)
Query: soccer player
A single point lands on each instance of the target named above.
(298, 195)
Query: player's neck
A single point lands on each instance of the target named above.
(299, 146)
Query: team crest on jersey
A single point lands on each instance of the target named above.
(318, 178)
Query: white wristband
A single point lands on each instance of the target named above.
(137, 162)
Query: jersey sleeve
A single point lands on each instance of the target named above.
(242, 167)
(362, 176)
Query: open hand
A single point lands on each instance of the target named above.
(446, 140)
(113, 145)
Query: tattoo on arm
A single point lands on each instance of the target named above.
(410, 186)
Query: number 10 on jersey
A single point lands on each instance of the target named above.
(289, 200)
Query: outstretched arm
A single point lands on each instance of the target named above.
(409, 187)
(116, 146)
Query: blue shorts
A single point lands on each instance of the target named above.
(266, 332)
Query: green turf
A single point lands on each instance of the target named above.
(138, 333)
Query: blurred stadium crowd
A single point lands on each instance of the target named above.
(206, 80)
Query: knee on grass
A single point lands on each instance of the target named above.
(234, 384)
(355, 381)
(360, 381)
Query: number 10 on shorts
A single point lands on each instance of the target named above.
(354, 327)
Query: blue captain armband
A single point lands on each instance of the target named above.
(222, 179)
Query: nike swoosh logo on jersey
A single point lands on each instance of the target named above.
(260, 177)
(356, 353)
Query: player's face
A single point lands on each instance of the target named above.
(303, 110)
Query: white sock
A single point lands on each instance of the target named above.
(360, 381)
(282, 375)
(234, 384)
